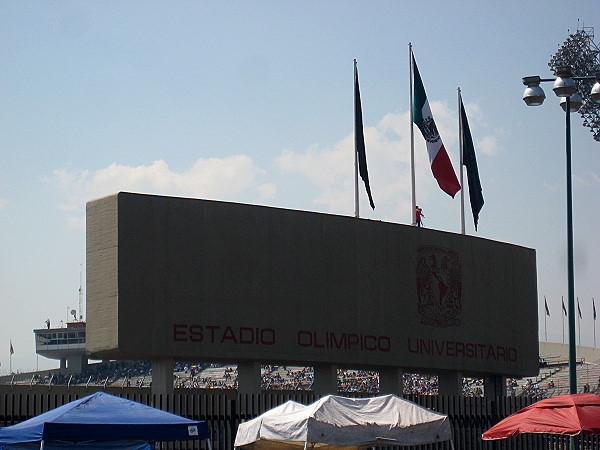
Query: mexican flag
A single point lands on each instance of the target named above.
(441, 166)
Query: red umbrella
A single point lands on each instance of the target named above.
(565, 414)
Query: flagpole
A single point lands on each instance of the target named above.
(356, 200)
(545, 316)
(562, 298)
(460, 150)
(579, 320)
(412, 138)
(594, 308)
(545, 326)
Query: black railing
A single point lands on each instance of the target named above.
(224, 411)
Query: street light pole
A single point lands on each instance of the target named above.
(570, 260)
(565, 87)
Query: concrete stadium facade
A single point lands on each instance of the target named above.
(196, 280)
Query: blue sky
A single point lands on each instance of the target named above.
(252, 101)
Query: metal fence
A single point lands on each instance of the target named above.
(225, 410)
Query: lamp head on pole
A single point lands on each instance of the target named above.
(595, 94)
(564, 85)
(574, 104)
(534, 95)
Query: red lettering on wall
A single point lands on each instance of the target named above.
(316, 340)
(500, 353)
(440, 349)
(373, 346)
(246, 335)
(305, 339)
(179, 332)
(352, 341)
(344, 341)
(338, 344)
(196, 333)
(216, 334)
(458, 349)
(470, 350)
(384, 343)
(267, 336)
(228, 336)
(212, 329)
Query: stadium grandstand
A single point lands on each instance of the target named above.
(552, 380)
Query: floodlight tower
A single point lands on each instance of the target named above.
(582, 55)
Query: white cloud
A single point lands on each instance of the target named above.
(488, 145)
(76, 223)
(329, 169)
(229, 178)
(590, 179)
(266, 192)
(473, 111)
(3, 203)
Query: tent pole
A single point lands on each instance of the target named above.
(305, 445)
(210, 447)
(452, 444)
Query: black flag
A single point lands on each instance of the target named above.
(470, 162)
(359, 138)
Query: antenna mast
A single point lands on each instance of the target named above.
(80, 292)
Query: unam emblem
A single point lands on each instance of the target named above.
(439, 286)
(430, 132)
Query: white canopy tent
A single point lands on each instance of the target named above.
(335, 422)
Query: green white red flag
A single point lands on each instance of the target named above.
(441, 166)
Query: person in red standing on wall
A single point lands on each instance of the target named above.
(418, 215)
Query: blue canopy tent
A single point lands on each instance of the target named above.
(104, 421)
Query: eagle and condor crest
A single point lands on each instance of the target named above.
(439, 286)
